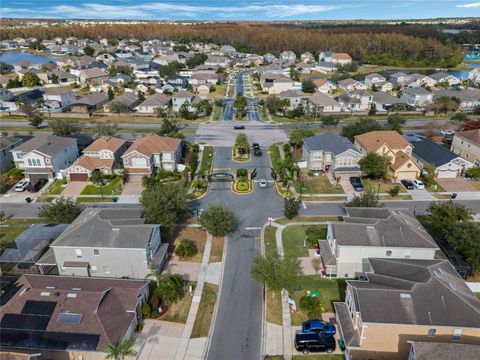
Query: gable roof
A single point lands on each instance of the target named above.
(92, 163)
(290, 94)
(382, 227)
(105, 143)
(329, 142)
(94, 73)
(126, 98)
(432, 153)
(373, 140)
(400, 159)
(415, 292)
(341, 56)
(445, 351)
(471, 135)
(156, 100)
(46, 144)
(153, 144)
(92, 99)
(320, 99)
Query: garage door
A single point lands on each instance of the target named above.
(447, 174)
(78, 177)
(409, 175)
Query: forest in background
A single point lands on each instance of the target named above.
(396, 45)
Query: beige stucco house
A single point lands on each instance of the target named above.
(402, 300)
(393, 145)
(467, 145)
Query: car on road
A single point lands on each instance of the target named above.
(418, 184)
(255, 146)
(408, 184)
(356, 183)
(36, 185)
(239, 127)
(262, 183)
(314, 342)
(318, 326)
(22, 185)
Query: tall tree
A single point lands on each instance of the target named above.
(89, 51)
(218, 220)
(35, 117)
(308, 86)
(291, 207)
(276, 273)
(375, 166)
(298, 135)
(360, 127)
(61, 211)
(366, 199)
(65, 127)
(31, 79)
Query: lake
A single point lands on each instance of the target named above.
(17, 57)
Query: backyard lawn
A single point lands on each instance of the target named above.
(318, 185)
(201, 327)
(293, 240)
(113, 188)
(330, 291)
(198, 236)
(178, 312)
(56, 188)
(372, 185)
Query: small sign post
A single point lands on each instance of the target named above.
(270, 221)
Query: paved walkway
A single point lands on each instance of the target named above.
(193, 348)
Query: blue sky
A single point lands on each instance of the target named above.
(239, 9)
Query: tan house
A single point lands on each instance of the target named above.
(467, 145)
(89, 103)
(401, 301)
(151, 152)
(391, 144)
(101, 155)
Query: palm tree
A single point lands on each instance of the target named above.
(120, 350)
(155, 273)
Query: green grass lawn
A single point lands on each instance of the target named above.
(372, 185)
(318, 185)
(178, 312)
(201, 327)
(198, 236)
(270, 241)
(293, 238)
(435, 187)
(56, 188)
(93, 199)
(330, 291)
(274, 307)
(308, 219)
(113, 188)
(216, 251)
(274, 153)
(207, 159)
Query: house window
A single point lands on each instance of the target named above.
(78, 253)
(389, 253)
(457, 334)
(432, 332)
(93, 268)
(96, 252)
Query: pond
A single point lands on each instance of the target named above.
(17, 57)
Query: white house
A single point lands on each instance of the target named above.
(351, 84)
(442, 77)
(58, 99)
(418, 97)
(373, 233)
(288, 56)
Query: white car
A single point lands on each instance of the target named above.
(447, 132)
(418, 184)
(262, 183)
(22, 185)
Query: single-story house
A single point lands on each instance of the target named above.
(89, 103)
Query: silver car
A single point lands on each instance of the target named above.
(22, 185)
(262, 183)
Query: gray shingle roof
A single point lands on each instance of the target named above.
(101, 228)
(48, 145)
(415, 292)
(333, 143)
(432, 153)
(445, 351)
(382, 227)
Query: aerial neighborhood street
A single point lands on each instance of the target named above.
(164, 197)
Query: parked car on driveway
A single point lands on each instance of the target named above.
(408, 184)
(22, 185)
(356, 183)
(36, 185)
(418, 184)
(314, 342)
(318, 326)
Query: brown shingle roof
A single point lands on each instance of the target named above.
(153, 144)
(400, 159)
(371, 141)
(92, 163)
(342, 56)
(471, 135)
(106, 143)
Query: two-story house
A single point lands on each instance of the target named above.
(183, 97)
(395, 147)
(153, 103)
(373, 232)
(351, 84)
(330, 152)
(467, 145)
(402, 300)
(378, 82)
(356, 100)
(101, 155)
(58, 99)
(295, 98)
(90, 76)
(443, 77)
(417, 97)
(7, 143)
(288, 56)
(108, 243)
(151, 152)
(321, 103)
(45, 157)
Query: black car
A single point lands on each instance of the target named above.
(257, 152)
(255, 146)
(238, 127)
(356, 183)
(314, 342)
(408, 184)
(36, 185)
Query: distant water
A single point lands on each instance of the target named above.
(17, 57)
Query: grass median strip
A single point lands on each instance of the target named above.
(201, 327)
(274, 307)
(216, 252)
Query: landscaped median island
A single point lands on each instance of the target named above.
(243, 183)
(241, 149)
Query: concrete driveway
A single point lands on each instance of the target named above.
(456, 185)
(74, 188)
(158, 340)
(133, 186)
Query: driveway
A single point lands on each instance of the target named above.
(158, 340)
(74, 188)
(456, 185)
(133, 186)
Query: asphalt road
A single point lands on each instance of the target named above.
(227, 110)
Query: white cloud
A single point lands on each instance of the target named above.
(470, 6)
(170, 10)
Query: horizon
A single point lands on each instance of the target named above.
(247, 10)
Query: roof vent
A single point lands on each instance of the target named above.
(45, 293)
(50, 287)
(371, 227)
(71, 295)
(405, 296)
(115, 229)
(76, 289)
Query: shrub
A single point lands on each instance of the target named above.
(313, 234)
(186, 248)
(154, 314)
(242, 185)
(312, 306)
(394, 191)
(146, 310)
(242, 172)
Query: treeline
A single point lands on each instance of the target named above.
(370, 45)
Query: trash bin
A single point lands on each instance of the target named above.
(453, 196)
(341, 344)
(28, 200)
(115, 199)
